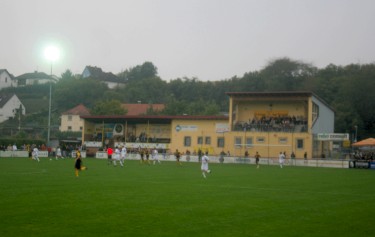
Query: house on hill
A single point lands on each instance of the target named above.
(7, 79)
(35, 78)
(107, 77)
(10, 104)
(142, 109)
(71, 121)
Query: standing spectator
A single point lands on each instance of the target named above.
(199, 155)
(293, 158)
(221, 159)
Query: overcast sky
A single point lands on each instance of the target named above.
(207, 39)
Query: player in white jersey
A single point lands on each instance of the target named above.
(36, 154)
(204, 166)
(117, 157)
(58, 153)
(123, 154)
(155, 156)
(281, 159)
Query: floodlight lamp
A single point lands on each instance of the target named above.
(52, 53)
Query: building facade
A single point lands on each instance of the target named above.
(71, 120)
(7, 79)
(267, 122)
(10, 105)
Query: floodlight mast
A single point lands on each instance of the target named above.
(52, 54)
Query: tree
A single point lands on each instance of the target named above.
(71, 92)
(67, 75)
(286, 75)
(108, 107)
(144, 71)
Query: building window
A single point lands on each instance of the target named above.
(220, 142)
(260, 139)
(300, 144)
(207, 140)
(238, 142)
(200, 141)
(80, 128)
(283, 140)
(187, 141)
(69, 117)
(69, 128)
(249, 141)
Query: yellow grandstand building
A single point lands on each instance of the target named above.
(267, 122)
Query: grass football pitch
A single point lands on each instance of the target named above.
(46, 199)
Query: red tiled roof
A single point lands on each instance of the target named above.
(141, 109)
(78, 110)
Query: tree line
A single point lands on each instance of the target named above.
(349, 90)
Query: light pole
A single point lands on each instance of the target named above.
(52, 54)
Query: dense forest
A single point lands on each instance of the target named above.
(349, 90)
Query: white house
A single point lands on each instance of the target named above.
(9, 106)
(97, 73)
(35, 78)
(7, 79)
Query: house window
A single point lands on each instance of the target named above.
(260, 139)
(207, 140)
(220, 142)
(187, 141)
(69, 117)
(238, 142)
(80, 128)
(300, 144)
(283, 140)
(69, 128)
(200, 141)
(249, 141)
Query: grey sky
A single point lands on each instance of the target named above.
(207, 39)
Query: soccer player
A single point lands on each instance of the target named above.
(58, 153)
(155, 156)
(123, 154)
(281, 159)
(178, 155)
(109, 153)
(142, 155)
(78, 163)
(36, 154)
(117, 157)
(147, 153)
(204, 166)
(257, 156)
